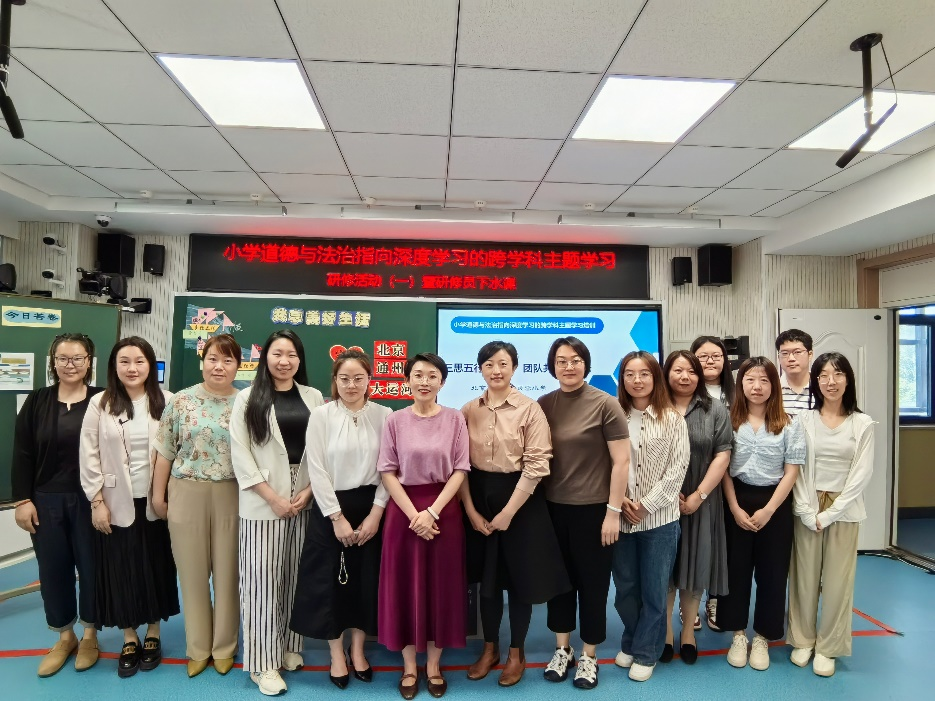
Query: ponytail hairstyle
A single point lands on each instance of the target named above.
(85, 342)
(728, 386)
(701, 392)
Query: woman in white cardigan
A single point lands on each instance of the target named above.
(135, 570)
(268, 425)
(829, 503)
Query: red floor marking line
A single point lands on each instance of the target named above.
(877, 623)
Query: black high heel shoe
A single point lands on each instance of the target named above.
(342, 681)
(365, 675)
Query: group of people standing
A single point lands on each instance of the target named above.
(314, 519)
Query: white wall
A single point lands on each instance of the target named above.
(12, 538)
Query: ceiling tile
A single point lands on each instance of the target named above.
(560, 36)
(287, 150)
(769, 114)
(859, 171)
(500, 159)
(819, 51)
(519, 103)
(791, 169)
(34, 99)
(497, 194)
(918, 76)
(314, 189)
(413, 31)
(790, 204)
(59, 181)
(571, 197)
(394, 155)
(675, 37)
(83, 144)
(604, 162)
(739, 202)
(382, 98)
(21, 152)
(128, 182)
(207, 27)
(918, 142)
(181, 148)
(402, 192)
(223, 186)
(668, 200)
(700, 166)
(70, 24)
(114, 86)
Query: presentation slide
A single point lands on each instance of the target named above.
(608, 332)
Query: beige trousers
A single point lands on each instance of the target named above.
(204, 523)
(822, 562)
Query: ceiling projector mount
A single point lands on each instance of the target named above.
(864, 45)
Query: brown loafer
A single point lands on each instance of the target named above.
(437, 689)
(409, 691)
(88, 654)
(514, 667)
(489, 658)
(55, 658)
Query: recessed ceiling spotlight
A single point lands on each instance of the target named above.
(658, 110)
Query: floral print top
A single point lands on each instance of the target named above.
(194, 435)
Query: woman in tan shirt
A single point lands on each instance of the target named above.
(510, 448)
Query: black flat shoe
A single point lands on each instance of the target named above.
(152, 654)
(689, 654)
(129, 662)
(365, 675)
(668, 652)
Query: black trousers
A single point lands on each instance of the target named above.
(763, 556)
(578, 529)
(64, 542)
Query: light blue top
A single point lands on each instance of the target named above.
(759, 457)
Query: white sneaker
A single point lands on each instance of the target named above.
(737, 655)
(641, 672)
(823, 666)
(557, 669)
(623, 660)
(800, 656)
(586, 674)
(759, 653)
(291, 661)
(270, 683)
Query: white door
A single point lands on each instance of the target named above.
(865, 336)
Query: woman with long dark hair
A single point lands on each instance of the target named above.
(339, 570)
(50, 504)
(829, 503)
(645, 554)
(768, 451)
(701, 560)
(135, 570)
(268, 426)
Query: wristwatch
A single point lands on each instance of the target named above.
(702, 495)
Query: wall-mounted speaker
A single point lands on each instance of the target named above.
(116, 253)
(681, 270)
(714, 265)
(154, 258)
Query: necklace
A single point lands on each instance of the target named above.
(355, 415)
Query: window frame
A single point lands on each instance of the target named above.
(919, 320)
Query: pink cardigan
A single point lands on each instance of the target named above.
(105, 465)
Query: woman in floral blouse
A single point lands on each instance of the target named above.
(194, 461)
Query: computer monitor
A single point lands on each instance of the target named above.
(161, 371)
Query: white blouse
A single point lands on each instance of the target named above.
(136, 432)
(341, 452)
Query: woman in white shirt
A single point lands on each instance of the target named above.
(340, 567)
(829, 503)
(268, 425)
(135, 570)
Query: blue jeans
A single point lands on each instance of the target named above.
(642, 567)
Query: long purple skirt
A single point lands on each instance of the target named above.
(423, 583)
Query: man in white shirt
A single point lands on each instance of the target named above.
(795, 358)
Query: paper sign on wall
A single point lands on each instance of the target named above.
(17, 371)
(30, 316)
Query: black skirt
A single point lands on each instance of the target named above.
(324, 607)
(136, 579)
(525, 559)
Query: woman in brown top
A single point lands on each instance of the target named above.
(584, 493)
(510, 447)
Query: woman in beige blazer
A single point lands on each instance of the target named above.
(268, 426)
(135, 581)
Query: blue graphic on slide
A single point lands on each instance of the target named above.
(568, 326)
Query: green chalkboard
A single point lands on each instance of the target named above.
(47, 318)
(387, 329)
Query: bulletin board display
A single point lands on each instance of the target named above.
(28, 325)
(388, 331)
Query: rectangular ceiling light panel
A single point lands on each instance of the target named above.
(914, 112)
(239, 92)
(658, 110)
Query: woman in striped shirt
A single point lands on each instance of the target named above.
(645, 554)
